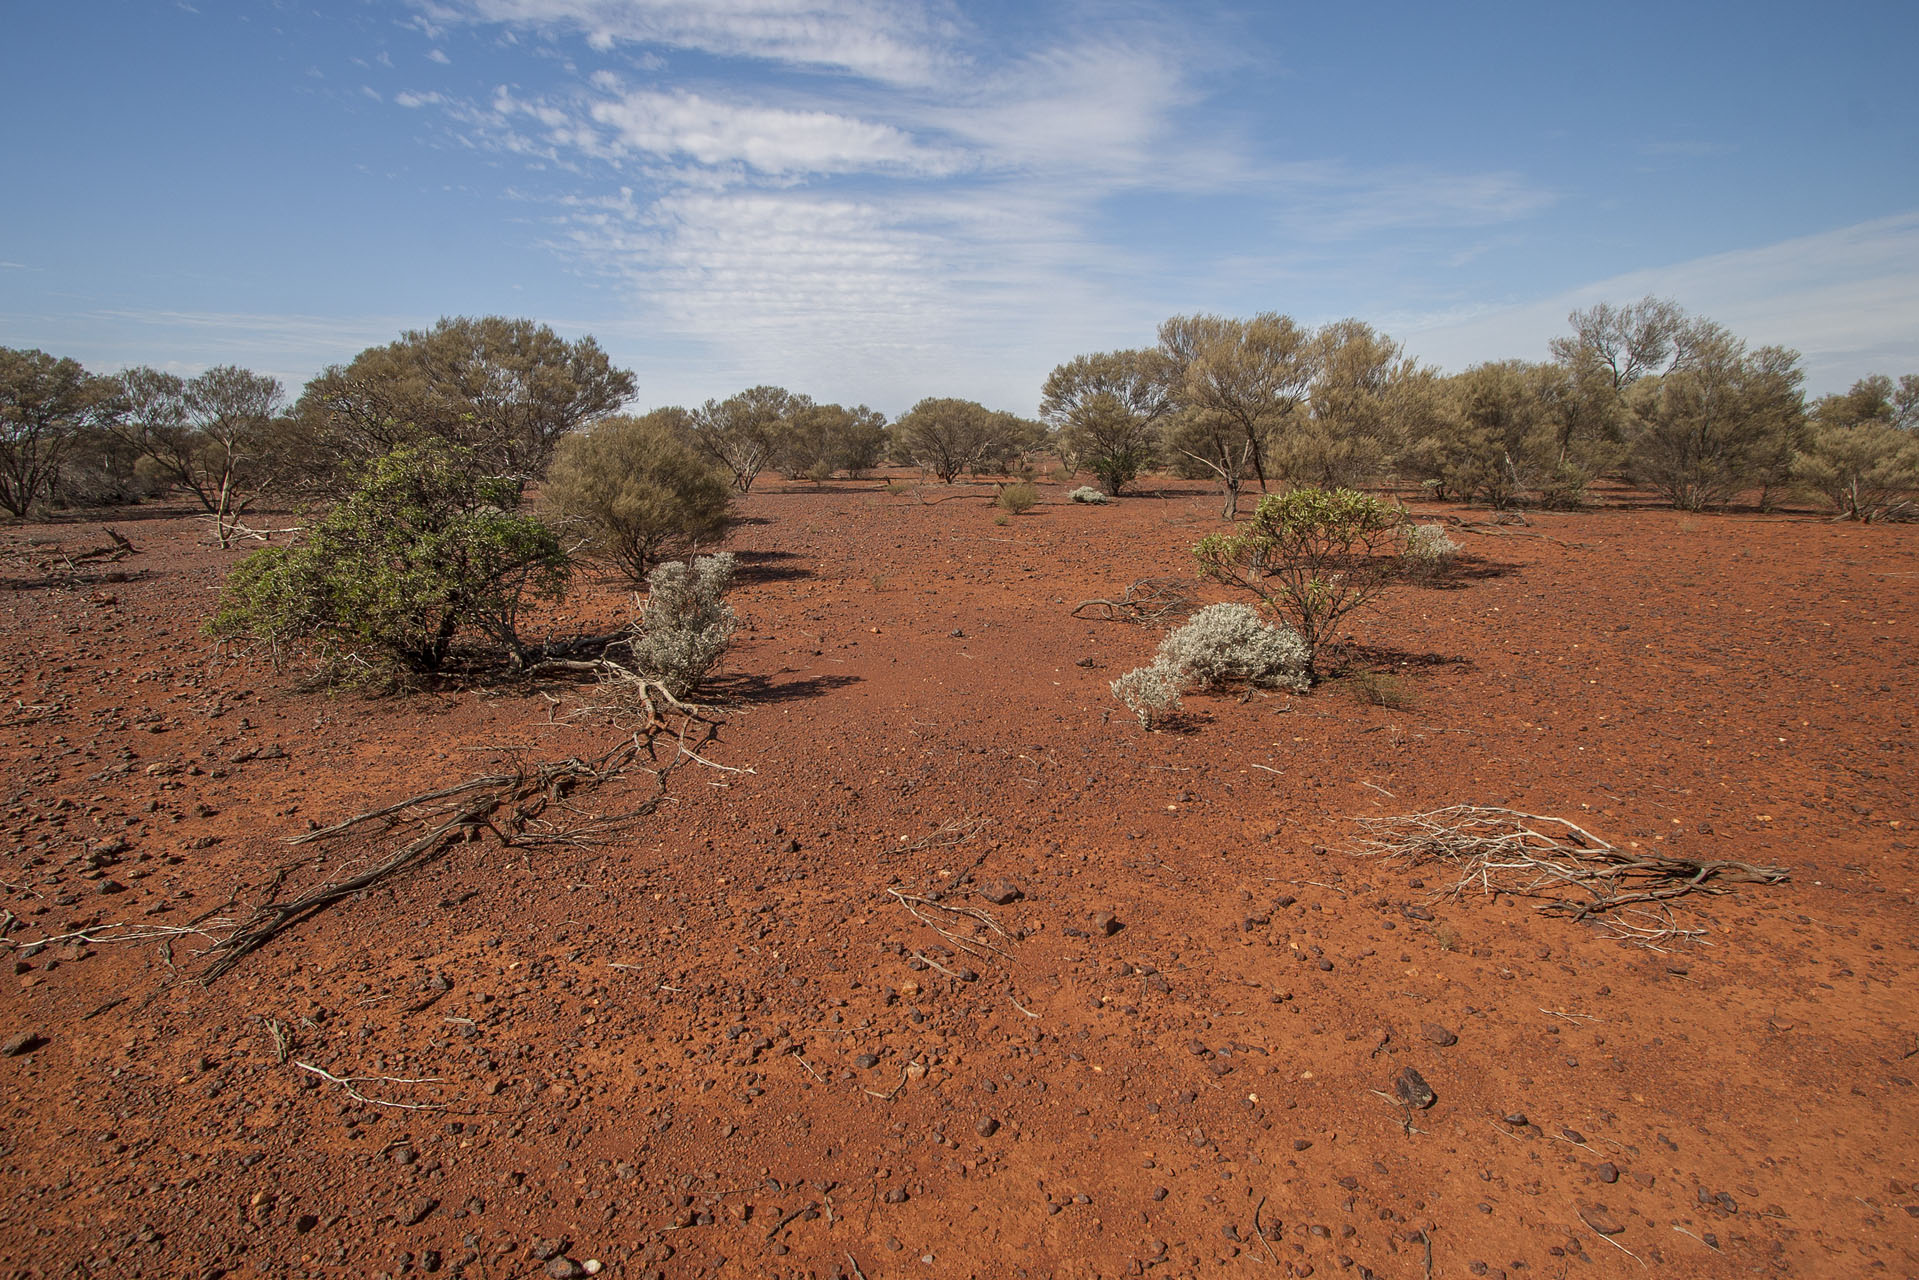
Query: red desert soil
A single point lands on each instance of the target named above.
(719, 1042)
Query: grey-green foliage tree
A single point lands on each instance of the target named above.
(1360, 400)
(1254, 374)
(1488, 437)
(637, 490)
(1867, 470)
(823, 439)
(46, 402)
(213, 435)
(1609, 350)
(747, 432)
(1728, 419)
(950, 437)
(1875, 398)
(426, 547)
(506, 390)
(1312, 556)
(1107, 409)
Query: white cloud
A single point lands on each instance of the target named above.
(439, 56)
(891, 42)
(411, 100)
(767, 139)
(1847, 300)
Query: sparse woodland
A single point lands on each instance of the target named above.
(469, 523)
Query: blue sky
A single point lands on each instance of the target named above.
(878, 200)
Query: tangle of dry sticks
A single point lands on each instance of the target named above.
(1145, 601)
(1574, 872)
(510, 805)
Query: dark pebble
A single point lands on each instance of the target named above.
(1105, 922)
(1441, 1036)
(987, 1127)
(1413, 1089)
(1609, 1172)
(1001, 892)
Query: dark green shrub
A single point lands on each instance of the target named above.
(423, 549)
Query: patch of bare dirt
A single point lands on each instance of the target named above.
(963, 974)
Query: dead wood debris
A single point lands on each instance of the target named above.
(1575, 873)
(514, 806)
(54, 566)
(1145, 601)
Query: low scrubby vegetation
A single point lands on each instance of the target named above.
(423, 550)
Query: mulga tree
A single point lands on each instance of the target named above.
(1730, 419)
(1107, 410)
(46, 404)
(637, 491)
(505, 390)
(746, 433)
(1234, 385)
(213, 435)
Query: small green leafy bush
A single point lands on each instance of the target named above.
(1312, 555)
(424, 549)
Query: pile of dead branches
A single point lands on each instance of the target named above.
(1573, 872)
(1146, 601)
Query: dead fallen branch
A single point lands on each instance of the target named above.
(1145, 601)
(1572, 871)
(511, 805)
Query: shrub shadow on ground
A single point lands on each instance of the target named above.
(1460, 571)
(768, 566)
(760, 690)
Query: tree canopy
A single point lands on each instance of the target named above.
(505, 390)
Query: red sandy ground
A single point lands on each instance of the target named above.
(648, 1052)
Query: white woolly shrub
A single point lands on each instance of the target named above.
(1226, 644)
(686, 624)
(1425, 547)
(1150, 693)
(1088, 494)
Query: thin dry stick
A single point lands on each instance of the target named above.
(347, 1083)
(972, 945)
(1261, 1231)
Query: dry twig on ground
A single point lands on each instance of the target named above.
(1145, 601)
(1574, 872)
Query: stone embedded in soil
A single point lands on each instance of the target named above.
(1106, 923)
(987, 1127)
(19, 1043)
(1001, 892)
(1600, 1219)
(1441, 1036)
(1608, 1172)
(866, 1062)
(1417, 912)
(1413, 1089)
(564, 1269)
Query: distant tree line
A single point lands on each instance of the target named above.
(1643, 394)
